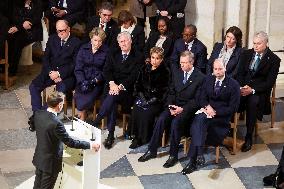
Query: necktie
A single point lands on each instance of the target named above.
(62, 43)
(124, 57)
(217, 87)
(256, 63)
(185, 78)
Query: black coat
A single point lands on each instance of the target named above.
(3, 34)
(231, 68)
(152, 83)
(152, 40)
(51, 135)
(94, 21)
(262, 80)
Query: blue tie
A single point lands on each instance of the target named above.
(185, 78)
(217, 87)
(256, 63)
(124, 57)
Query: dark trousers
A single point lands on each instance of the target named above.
(109, 108)
(39, 84)
(250, 102)
(152, 22)
(164, 121)
(44, 180)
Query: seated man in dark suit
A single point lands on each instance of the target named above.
(257, 73)
(104, 21)
(70, 10)
(191, 43)
(51, 135)
(219, 99)
(120, 72)
(58, 64)
(180, 108)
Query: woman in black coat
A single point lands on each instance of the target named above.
(25, 29)
(161, 38)
(149, 90)
(126, 22)
(229, 51)
(90, 62)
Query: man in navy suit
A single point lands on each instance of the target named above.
(257, 73)
(219, 99)
(180, 108)
(70, 10)
(191, 43)
(58, 64)
(120, 72)
(104, 21)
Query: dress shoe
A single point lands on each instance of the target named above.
(80, 163)
(200, 160)
(190, 167)
(247, 145)
(109, 142)
(31, 124)
(135, 143)
(170, 162)
(269, 180)
(147, 156)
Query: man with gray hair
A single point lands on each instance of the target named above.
(181, 105)
(257, 73)
(120, 72)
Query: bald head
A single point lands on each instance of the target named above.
(219, 69)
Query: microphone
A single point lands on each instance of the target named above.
(72, 124)
(92, 139)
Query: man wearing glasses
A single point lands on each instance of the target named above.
(104, 21)
(58, 64)
(191, 43)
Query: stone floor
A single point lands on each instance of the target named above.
(119, 166)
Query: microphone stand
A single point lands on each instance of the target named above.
(72, 124)
(92, 139)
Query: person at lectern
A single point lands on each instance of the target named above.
(51, 134)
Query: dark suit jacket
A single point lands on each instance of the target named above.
(231, 68)
(51, 135)
(152, 40)
(172, 6)
(34, 15)
(3, 34)
(75, 10)
(225, 103)
(124, 73)
(262, 80)
(57, 58)
(94, 21)
(137, 36)
(185, 95)
(198, 49)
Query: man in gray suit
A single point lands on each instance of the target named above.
(51, 134)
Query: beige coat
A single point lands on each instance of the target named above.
(136, 9)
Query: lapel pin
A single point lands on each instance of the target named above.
(190, 81)
(224, 86)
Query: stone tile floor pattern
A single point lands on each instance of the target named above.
(119, 166)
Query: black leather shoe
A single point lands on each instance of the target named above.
(247, 145)
(31, 123)
(109, 142)
(135, 144)
(190, 167)
(170, 162)
(200, 160)
(147, 156)
(80, 163)
(269, 180)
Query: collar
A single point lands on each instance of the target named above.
(189, 72)
(221, 80)
(66, 39)
(52, 111)
(261, 54)
(190, 43)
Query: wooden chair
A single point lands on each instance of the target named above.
(5, 62)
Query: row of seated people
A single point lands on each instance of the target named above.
(171, 94)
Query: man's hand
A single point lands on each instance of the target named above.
(57, 80)
(113, 89)
(246, 90)
(60, 13)
(13, 30)
(55, 10)
(210, 111)
(95, 146)
(175, 110)
(164, 13)
(53, 75)
(27, 25)
(146, 1)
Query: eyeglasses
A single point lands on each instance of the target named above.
(59, 31)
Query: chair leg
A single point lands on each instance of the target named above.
(6, 77)
(235, 134)
(217, 154)
(164, 139)
(73, 108)
(65, 106)
(256, 130)
(186, 146)
(124, 126)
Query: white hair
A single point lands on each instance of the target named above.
(263, 35)
(124, 33)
